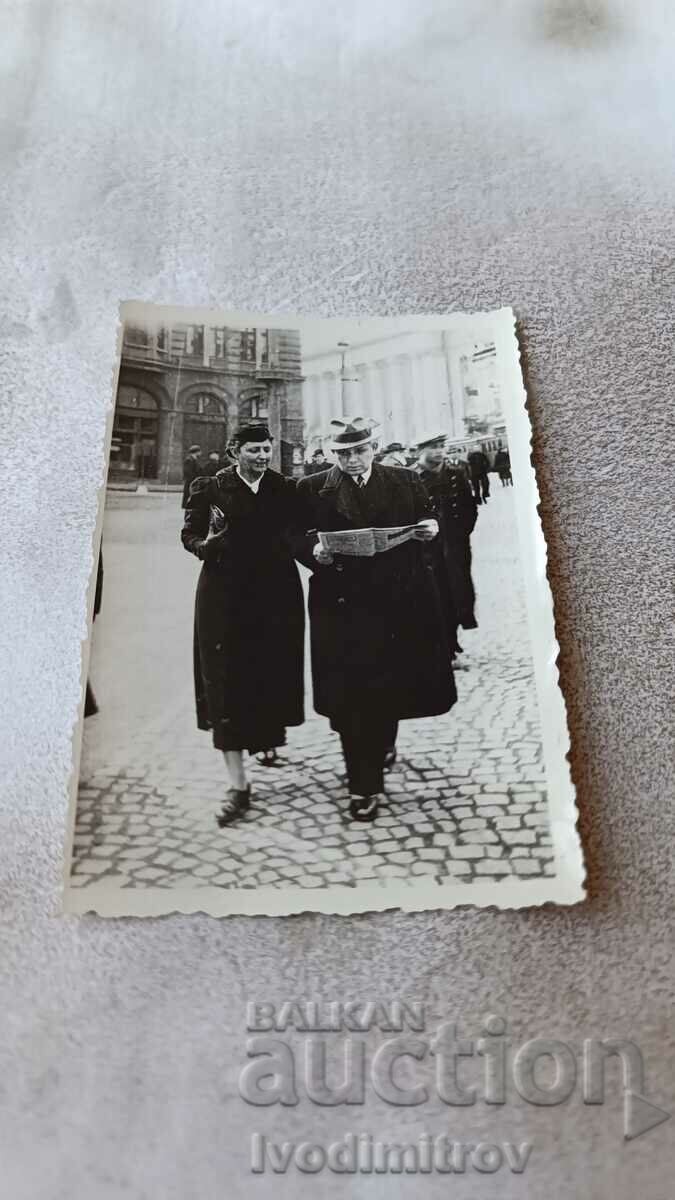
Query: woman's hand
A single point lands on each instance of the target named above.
(427, 530)
(211, 545)
(322, 556)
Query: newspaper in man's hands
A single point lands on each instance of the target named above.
(364, 543)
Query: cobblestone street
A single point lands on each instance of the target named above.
(466, 800)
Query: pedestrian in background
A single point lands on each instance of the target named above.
(212, 463)
(480, 482)
(503, 466)
(454, 507)
(378, 642)
(394, 455)
(192, 467)
(249, 611)
(319, 463)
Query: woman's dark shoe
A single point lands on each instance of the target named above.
(270, 758)
(235, 805)
(363, 808)
(389, 757)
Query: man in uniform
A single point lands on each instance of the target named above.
(192, 467)
(377, 634)
(454, 507)
(394, 455)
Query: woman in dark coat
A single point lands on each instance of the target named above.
(249, 615)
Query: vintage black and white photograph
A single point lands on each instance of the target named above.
(321, 671)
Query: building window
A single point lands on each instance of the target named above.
(255, 405)
(203, 404)
(237, 344)
(248, 346)
(187, 341)
(136, 341)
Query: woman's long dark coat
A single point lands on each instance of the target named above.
(249, 613)
(377, 634)
(454, 507)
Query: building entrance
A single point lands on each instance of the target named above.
(133, 451)
(204, 424)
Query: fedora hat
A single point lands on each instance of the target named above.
(349, 434)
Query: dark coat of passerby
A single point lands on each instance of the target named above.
(192, 468)
(454, 507)
(213, 463)
(90, 705)
(319, 463)
(394, 455)
(503, 467)
(480, 481)
(377, 634)
(249, 612)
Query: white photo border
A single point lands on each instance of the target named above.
(566, 885)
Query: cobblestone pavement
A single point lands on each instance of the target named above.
(466, 800)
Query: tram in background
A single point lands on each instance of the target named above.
(489, 442)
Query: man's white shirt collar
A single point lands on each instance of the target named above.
(365, 475)
(253, 486)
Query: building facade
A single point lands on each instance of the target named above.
(184, 385)
(413, 385)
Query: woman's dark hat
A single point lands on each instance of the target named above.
(347, 435)
(251, 433)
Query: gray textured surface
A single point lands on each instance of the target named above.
(399, 158)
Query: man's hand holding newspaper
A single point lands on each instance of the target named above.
(364, 543)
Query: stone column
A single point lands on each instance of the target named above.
(378, 399)
(399, 381)
(407, 396)
(422, 420)
(274, 421)
(374, 405)
(454, 386)
(171, 451)
(330, 401)
(311, 406)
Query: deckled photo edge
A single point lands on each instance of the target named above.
(566, 886)
(562, 800)
(85, 645)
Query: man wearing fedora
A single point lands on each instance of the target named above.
(377, 633)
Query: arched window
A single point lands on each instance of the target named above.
(204, 422)
(255, 405)
(204, 404)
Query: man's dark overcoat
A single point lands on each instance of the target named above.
(377, 633)
(192, 469)
(453, 505)
(249, 612)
